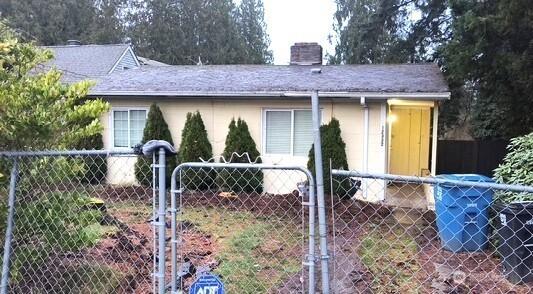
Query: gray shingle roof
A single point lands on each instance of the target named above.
(85, 61)
(213, 80)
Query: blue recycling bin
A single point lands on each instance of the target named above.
(462, 213)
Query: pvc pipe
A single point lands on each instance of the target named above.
(161, 220)
(322, 227)
(10, 225)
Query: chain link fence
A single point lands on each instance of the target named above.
(90, 222)
(250, 224)
(81, 223)
(397, 234)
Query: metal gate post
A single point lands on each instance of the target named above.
(173, 233)
(309, 191)
(10, 225)
(154, 221)
(161, 220)
(322, 227)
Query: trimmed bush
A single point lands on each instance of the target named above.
(96, 166)
(240, 141)
(156, 129)
(517, 168)
(195, 145)
(334, 148)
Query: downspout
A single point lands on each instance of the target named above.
(435, 139)
(366, 119)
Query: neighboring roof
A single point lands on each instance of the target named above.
(275, 80)
(79, 62)
(147, 61)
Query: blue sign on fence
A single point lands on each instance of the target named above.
(207, 284)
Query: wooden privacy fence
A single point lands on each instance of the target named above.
(480, 157)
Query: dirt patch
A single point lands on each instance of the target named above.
(115, 193)
(284, 205)
(482, 270)
(425, 268)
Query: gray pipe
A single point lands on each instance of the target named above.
(322, 227)
(432, 181)
(161, 220)
(107, 153)
(154, 217)
(311, 253)
(9, 229)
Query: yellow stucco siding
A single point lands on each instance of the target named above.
(217, 115)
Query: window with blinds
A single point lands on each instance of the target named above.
(128, 127)
(288, 132)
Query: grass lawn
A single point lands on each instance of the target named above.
(256, 254)
(389, 254)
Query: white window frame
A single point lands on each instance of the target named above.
(112, 124)
(264, 130)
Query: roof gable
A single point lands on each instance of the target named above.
(79, 62)
(128, 60)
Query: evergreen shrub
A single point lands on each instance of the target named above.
(156, 129)
(239, 141)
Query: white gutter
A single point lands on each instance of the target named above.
(297, 94)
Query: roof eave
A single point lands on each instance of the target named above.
(270, 94)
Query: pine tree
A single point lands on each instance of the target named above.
(252, 29)
(156, 129)
(108, 26)
(53, 22)
(239, 141)
(384, 31)
(195, 146)
(194, 31)
(490, 57)
(334, 149)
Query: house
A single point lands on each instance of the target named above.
(79, 62)
(388, 113)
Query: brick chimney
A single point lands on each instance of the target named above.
(306, 54)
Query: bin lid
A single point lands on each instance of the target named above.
(517, 207)
(466, 177)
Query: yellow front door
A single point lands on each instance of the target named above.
(409, 148)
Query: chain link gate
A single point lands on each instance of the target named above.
(251, 224)
(386, 240)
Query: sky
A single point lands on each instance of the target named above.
(290, 21)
